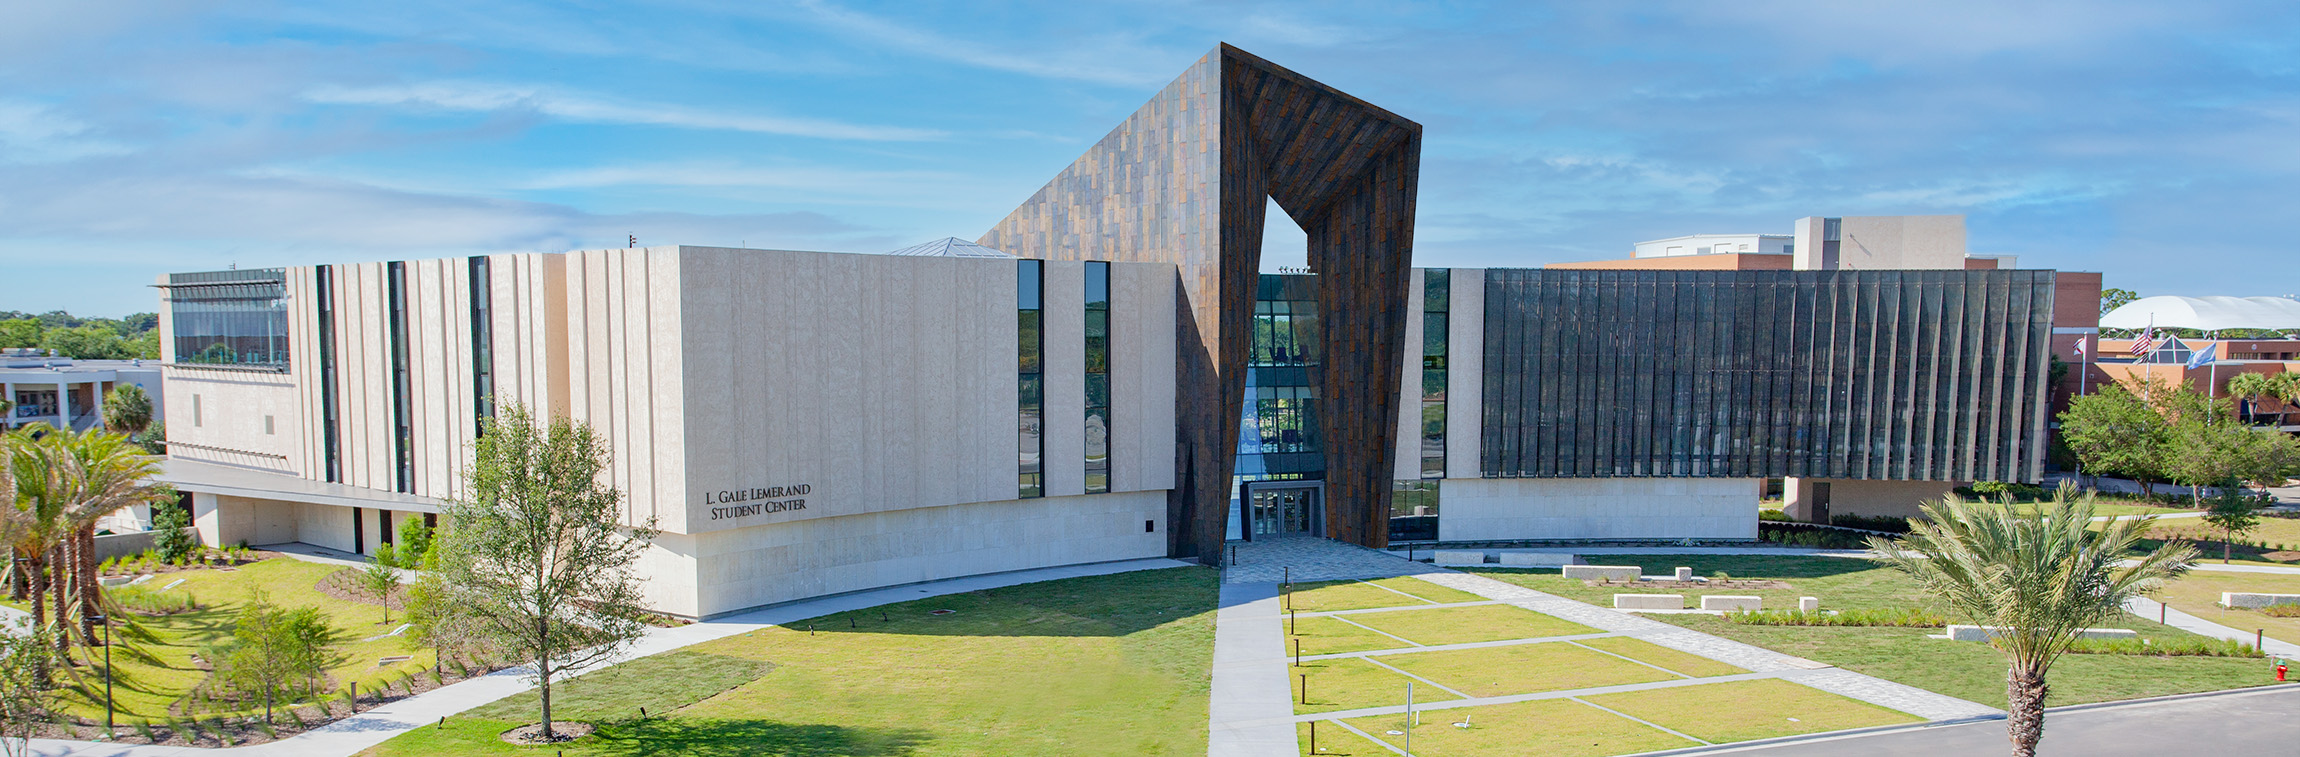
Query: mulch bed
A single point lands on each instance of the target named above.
(562, 731)
(243, 730)
(344, 585)
(1714, 583)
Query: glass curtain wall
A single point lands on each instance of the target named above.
(1097, 377)
(1414, 503)
(1864, 374)
(1029, 285)
(236, 317)
(402, 384)
(1279, 430)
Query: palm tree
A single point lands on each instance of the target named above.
(2040, 575)
(2285, 387)
(128, 410)
(105, 472)
(2249, 388)
(41, 496)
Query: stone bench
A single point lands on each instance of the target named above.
(1649, 601)
(2240, 600)
(1538, 559)
(1458, 557)
(1731, 602)
(1605, 572)
(1808, 604)
(1982, 633)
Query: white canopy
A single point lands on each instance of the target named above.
(2205, 313)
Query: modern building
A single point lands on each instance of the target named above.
(1716, 244)
(61, 391)
(1923, 251)
(1102, 375)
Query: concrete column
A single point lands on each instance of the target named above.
(207, 516)
(8, 392)
(1802, 502)
(97, 387)
(64, 404)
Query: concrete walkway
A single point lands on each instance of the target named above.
(351, 735)
(1252, 714)
(2146, 608)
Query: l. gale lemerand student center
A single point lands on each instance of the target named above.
(1106, 374)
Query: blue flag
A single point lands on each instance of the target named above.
(2203, 356)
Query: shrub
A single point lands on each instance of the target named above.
(2187, 646)
(1775, 516)
(1884, 523)
(2281, 611)
(1898, 618)
(168, 539)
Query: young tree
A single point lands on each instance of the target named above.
(2234, 514)
(539, 558)
(127, 410)
(2041, 574)
(169, 539)
(381, 577)
(276, 654)
(2118, 432)
(28, 665)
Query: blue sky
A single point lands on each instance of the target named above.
(2152, 141)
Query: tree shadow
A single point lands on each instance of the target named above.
(1110, 605)
(750, 738)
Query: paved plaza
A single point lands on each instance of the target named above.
(1254, 707)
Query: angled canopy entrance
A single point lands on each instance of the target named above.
(1184, 181)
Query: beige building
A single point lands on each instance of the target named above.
(796, 423)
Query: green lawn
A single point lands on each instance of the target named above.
(1842, 583)
(1114, 664)
(1523, 669)
(1965, 670)
(1686, 663)
(1463, 625)
(1327, 635)
(1722, 713)
(1548, 727)
(1328, 596)
(1351, 683)
(144, 691)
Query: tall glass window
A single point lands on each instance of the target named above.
(402, 404)
(1436, 288)
(1029, 284)
(326, 289)
(482, 346)
(236, 317)
(1097, 377)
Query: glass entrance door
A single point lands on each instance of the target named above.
(1285, 511)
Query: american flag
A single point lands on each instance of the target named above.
(2146, 342)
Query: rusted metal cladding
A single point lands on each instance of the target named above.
(1184, 181)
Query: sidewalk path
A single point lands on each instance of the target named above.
(2144, 608)
(351, 735)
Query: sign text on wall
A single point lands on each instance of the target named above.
(744, 503)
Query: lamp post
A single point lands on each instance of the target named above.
(107, 624)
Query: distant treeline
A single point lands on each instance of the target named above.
(136, 336)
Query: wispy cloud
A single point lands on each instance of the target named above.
(1088, 62)
(36, 133)
(473, 96)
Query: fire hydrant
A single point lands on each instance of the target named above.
(2280, 670)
